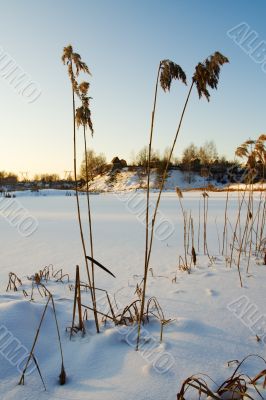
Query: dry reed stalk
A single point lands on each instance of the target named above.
(225, 221)
(72, 59)
(163, 324)
(185, 237)
(188, 232)
(183, 266)
(252, 228)
(260, 375)
(235, 387)
(22, 378)
(138, 291)
(148, 198)
(192, 233)
(193, 251)
(149, 247)
(77, 304)
(236, 226)
(179, 193)
(243, 241)
(98, 312)
(60, 276)
(154, 309)
(205, 218)
(250, 235)
(62, 376)
(249, 221)
(133, 314)
(13, 282)
(194, 256)
(200, 385)
(258, 220)
(186, 224)
(100, 265)
(199, 230)
(47, 273)
(89, 218)
(206, 75)
(113, 316)
(205, 222)
(153, 302)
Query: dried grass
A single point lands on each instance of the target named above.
(13, 282)
(62, 376)
(236, 387)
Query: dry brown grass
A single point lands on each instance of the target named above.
(62, 376)
(236, 387)
(13, 282)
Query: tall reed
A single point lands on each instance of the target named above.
(72, 59)
(167, 71)
(206, 76)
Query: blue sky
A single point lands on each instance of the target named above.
(122, 42)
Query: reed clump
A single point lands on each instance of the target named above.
(236, 387)
(62, 375)
(14, 282)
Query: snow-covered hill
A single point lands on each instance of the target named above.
(124, 180)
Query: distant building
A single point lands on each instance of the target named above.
(118, 164)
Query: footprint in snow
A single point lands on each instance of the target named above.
(160, 363)
(208, 274)
(211, 292)
(179, 291)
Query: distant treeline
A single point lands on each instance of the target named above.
(203, 160)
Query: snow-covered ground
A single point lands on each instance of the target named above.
(210, 324)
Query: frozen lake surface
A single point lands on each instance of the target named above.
(206, 330)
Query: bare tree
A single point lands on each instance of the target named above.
(96, 164)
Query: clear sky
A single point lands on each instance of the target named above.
(122, 42)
